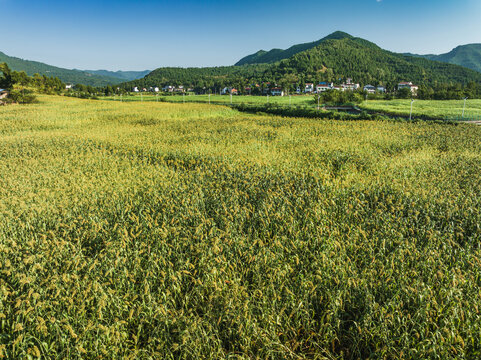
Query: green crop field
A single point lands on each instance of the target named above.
(306, 100)
(432, 108)
(436, 109)
(188, 231)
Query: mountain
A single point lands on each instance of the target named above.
(122, 75)
(274, 55)
(66, 75)
(337, 56)
(465, 55)
(368, 63)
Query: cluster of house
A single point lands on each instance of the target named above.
(169, 88)
(309, 88)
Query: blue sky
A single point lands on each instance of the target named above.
(146, 34)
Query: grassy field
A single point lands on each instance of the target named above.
(433, 108)
(172, 231)
(437, 109)
(305, 100)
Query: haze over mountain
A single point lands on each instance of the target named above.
(334, 57)
(74, 76)
(465, 55)
(123, 75)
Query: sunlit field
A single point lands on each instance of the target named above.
(436, 109)
(432, 108)
(305, 100)
(150, 230)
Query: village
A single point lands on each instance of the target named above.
(266, 89)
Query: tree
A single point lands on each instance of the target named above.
(6, 80)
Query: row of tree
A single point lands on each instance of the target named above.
(22, 87)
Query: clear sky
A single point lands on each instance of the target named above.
(146, 34)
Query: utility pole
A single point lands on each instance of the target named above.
(290, 100)
(231, 98)
(183, 98)
(411, 113)
(318, 101)
(464, 107)
(141, 97)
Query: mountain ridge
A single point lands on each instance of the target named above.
(468, 55)
(74, 76)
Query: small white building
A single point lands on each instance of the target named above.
(136, 89)
(309, 88)
(370, 89)
(277, 91)
(168, 88)
(320, 88)
(350, 87)
(68, 86)
(403, 85)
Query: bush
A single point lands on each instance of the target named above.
(22, 96)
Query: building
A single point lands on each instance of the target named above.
(168, 88)
(324, 87)
(409, 85)
(381, 89)
(309, 88)
(136, 89)
(277, 91)
(68, 86)
(370, 89)
(3, 93)
(349, 86)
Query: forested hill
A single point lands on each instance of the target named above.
(66, 75)
(274, 55)
(465, 55)
(347, 57)
(331, 60)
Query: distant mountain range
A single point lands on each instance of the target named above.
(336, 56)
(332, 58)
(88, 77)
(465, 55)
(123, 75)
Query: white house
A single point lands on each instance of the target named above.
(350, 87)
(168, 88)
(324, 87)
(136, 89)
(277, 91)
(402, 85)
(370, 89)
(309, 88)
(68, 86)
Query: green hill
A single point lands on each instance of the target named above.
(66, 75)
(349, 57)
(337, 56)
(465, 55)
(274, 55)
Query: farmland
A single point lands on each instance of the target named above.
(436, 109)
(188, 231)
(433, 108)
